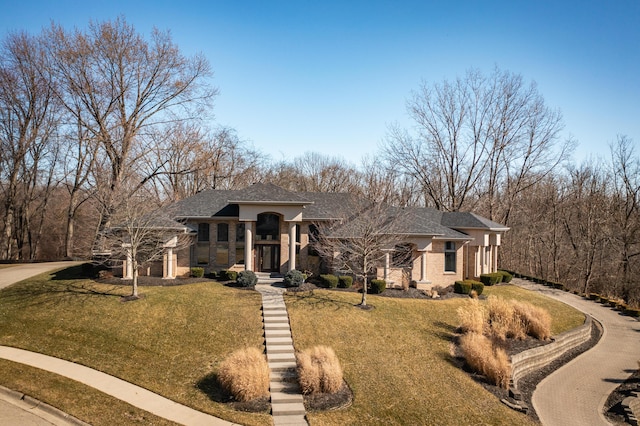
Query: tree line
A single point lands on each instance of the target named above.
(92, 118)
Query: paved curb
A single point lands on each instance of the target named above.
(287, 403)
(36, 406)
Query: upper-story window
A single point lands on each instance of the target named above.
(203, 232)
(450, 256)
(223, 232)
(268, 227)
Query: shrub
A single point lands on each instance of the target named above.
(491, 279)
(462, 287)
(377, 286)
(213, 275)
(226, 275)
(482, 357)
(345, 281)
(197, 272)
(319, 370)
(245, 374)
(472, 317)
(477, 286)
(329, 280)
(632, 312)
(558, 286)
(506, 276)
(293, 278)
(247, 279)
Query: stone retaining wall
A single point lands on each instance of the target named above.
(527, 361)
(631, 405)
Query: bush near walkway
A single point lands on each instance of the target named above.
(245, 374)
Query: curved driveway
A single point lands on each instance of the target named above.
(575, 394)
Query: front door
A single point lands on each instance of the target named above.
(268, 257)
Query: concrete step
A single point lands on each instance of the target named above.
(281, 357)
(278, 341)
(282, 365)
(276, 327)
(279, 315)
(296, 420)
(287, 409)
(285, 397)
(288, 376)
(280, 349)
(277, 333)
(290, 386)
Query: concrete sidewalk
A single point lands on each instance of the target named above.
(23, 271)
(576, 393)
(125, 391)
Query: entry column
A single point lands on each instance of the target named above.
(292, 246)
(248, 246)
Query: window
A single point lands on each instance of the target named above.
(203, 232)
(313, 238)
(223, 232)
(222, 256)
(268, 227)
(202, 246)
(449, 256)
(240, 255)
(240, 233)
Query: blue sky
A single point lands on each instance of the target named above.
(331, 76)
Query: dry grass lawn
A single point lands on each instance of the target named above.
(170, 341)
(396, 357)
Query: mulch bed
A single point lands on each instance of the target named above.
(613, 407)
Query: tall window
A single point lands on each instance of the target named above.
(268, 227)
(223, 232)
(202, 246)
(449, 256)
(314, 232)
(240, 233)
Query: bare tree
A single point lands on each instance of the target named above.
(193, 159)
(28, 117)
(142, 235)
(477, 138)
(356, 243)
(119, 87)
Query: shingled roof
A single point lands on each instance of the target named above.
(468, 220)
(328, 206)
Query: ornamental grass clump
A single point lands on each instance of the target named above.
(503, 321)
(484, 358)
(319, 370)
(472, 317)
(245, 374)
(536, 320)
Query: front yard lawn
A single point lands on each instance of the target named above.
(170, 341)
(397, 359)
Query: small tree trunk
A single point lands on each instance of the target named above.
(134, 285)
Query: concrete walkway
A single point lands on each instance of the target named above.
(576, 393)
(287, 405)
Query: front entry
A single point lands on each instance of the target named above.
(268, 258)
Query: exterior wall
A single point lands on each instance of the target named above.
(481, 254)
(435, 264)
